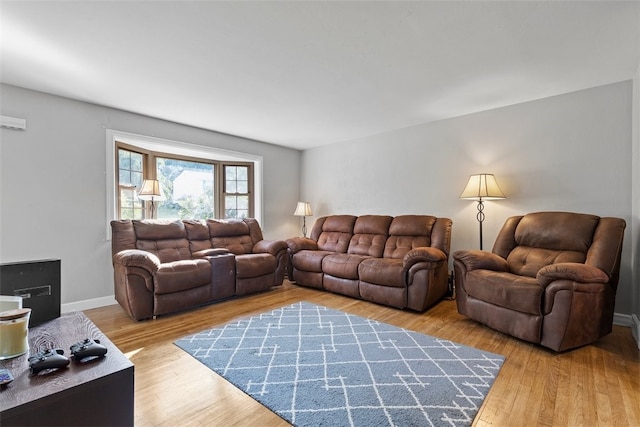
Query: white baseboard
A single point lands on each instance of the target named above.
(635, 329)
(622, 319)
(88, 304)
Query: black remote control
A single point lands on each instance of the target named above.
(88, 348)
(48, 359)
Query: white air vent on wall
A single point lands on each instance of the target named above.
(13, 123)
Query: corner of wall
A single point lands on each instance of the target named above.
(635, 208)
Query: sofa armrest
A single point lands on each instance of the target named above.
(423, 254)
(137, 258)
(210, 252)
(575, 272)
(481, 260)
(572, 288)
(272, 247)
(298, 244)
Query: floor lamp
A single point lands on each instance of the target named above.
(151, 191)
(482, 187)
(303, 209)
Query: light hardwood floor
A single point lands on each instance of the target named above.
(595, 385)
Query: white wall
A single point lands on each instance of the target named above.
(53, 188)
(571, 152)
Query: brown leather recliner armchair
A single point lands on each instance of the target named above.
(550, 279)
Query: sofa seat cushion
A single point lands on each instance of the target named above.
(383, 272)
(182, 275)
(520, 293)
(308, 260)
(254, 265)
(344, 266)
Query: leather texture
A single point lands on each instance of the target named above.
(397, 261)
(163, 266)
(550, 279)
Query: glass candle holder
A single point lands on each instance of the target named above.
(14, 332)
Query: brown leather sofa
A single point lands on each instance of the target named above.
(401, 262)
(550, 279)
(162, 266)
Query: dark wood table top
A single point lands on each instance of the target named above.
(62, 333)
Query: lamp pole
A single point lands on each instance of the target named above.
(480, 217)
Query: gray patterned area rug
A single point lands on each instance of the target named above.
(316, 366)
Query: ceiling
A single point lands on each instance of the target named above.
(303, 74)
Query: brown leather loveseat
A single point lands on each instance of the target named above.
(551, 278)
(397, 261)
(162, 266)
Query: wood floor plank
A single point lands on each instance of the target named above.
(594, 385)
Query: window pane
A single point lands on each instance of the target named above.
(242, 187)
(231, 187)
(188, 189)
(136, 161)
(124, 159)
(126, 213)
(124, 176)
(136, 180)
(230, 172)
(242, 173)
(243, 202)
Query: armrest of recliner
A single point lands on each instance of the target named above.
(474, 259)
(210, 252)
(272, 247)
(297, 244)
(587, 281)
(573, 271)
(423, 254)
(137, 258)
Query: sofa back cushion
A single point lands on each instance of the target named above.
(231, 234)
(544, 238)
(333, 233)
(123, 236)
(164, 238)
(407, 232)
(197, 234)
(370, 234)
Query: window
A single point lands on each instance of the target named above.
(129, 178)
(192, 187)
(237, 200)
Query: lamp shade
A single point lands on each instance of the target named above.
(482, 187)
(303, 209)
(150, 190)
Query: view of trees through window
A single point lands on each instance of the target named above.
(188, 187)
(191, 188)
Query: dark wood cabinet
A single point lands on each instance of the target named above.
(94, 393)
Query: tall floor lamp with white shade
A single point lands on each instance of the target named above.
(481, 187)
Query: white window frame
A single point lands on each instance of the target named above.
(178, 148)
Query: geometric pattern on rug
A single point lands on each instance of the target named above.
(313, 365)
